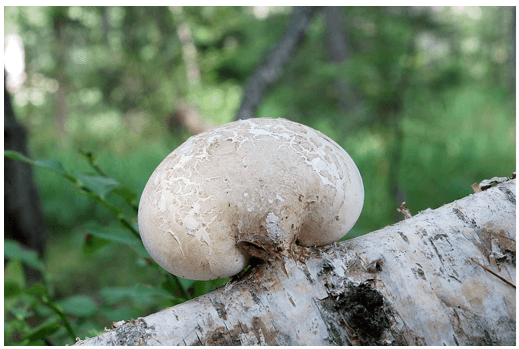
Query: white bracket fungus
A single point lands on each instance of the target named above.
(266, 183)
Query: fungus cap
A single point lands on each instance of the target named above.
(265, 183)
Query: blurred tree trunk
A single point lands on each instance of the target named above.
(189, 53)
(105, 24)
(442, 277)
(23, 214)
(187, 115)
(272, 66)
(60, 110)
(339, 53)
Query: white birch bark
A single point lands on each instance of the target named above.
(412, 283)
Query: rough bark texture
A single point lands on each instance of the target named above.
(24, 220)
(272, 67)
(412, 283)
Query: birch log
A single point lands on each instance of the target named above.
(442, 277)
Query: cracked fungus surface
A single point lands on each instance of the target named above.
(263, 181)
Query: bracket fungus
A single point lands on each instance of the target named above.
(249, 188)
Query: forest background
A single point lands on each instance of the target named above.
(422, 98)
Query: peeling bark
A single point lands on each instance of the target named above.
(412, 283)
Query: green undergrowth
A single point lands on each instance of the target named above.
(94, 272)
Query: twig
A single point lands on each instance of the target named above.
(405, 211)
(45, 299)
(492, 272)
(476, 188)
(92, 160)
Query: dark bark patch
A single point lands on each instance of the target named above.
(505, 244)
(405, 238)
(220, 309)
(461, 215)
(257, 334)
(509, 194)
(133, 332)
(362, 307)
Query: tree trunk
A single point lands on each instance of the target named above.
(60, 109)
(339, 49)
(272, 67)
(189, 53)
(24, 219)
(442, 277)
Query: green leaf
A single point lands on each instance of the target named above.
(122, 313)
(112, 233)
(17, 156)
(145, 290)
(21, 313)
(132, 226)
(169, 285)
(141, 250)
(115, 211)
(117, 234)
(14, 273)
(201, 287)
(37, 290)
(186, 283)
(138, 294)
(49, 164)
(218, 282)
(13, 250)
(11, 289)
(44, 330)
(128, 195)
(97, 184)
(92, 244)
(115, 294)
(81, 306)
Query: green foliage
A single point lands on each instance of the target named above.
(12, 251)
(59, 317)
(23, 305)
